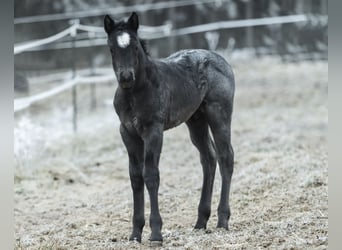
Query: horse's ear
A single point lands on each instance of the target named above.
(108, 24)
(133, 21)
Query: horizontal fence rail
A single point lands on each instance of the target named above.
(25, 102)
(110, 11)
(31, 45)
(163, 31)
(243, 23)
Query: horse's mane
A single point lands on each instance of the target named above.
(143, 45)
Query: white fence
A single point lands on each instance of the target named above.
(97, 34)
(112, 11)
(24, 102)
(72, 31)
(146, 32)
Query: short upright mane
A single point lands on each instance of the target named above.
(143, 45)
(121, 26)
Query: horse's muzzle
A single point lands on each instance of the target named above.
(126, 79)
(126, 85)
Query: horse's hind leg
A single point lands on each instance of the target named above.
(219, 118)
(199, 133)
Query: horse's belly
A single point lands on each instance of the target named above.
(181, 109)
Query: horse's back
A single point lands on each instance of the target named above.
(211, 72)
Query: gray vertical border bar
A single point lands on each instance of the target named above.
(6, 107)
(335, 124)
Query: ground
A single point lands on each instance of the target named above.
(72, 191)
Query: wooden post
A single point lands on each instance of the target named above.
(324, 7)
(93, 103)
(92, 85)
(172, 40)
(249, 30)
(74, 88)
(324, 11)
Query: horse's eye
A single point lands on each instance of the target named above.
(111, 50)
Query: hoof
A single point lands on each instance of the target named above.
(156, 239)
(200, 225)
(223, 226)
(135, 239)
(156, 243)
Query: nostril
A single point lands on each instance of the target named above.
(126, 76)
(122, 76)
(130, 75)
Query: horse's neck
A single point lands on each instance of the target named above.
(146, 87)
(147, 73)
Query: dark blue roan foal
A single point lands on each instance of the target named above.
(191, 86)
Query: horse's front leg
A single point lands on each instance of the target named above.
(135, 148)
(153, 139)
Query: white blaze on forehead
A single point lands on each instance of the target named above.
(123, 40)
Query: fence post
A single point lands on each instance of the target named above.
(172, 39)
(91, 36)
(249, 29)
(74, 87)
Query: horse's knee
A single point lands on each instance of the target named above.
(136, 177)
(226, 165)
(137, 183)
(151, 177)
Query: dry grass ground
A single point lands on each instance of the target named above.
(73, 191)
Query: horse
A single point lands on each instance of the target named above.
(195, 87)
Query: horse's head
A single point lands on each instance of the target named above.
(125, 48)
